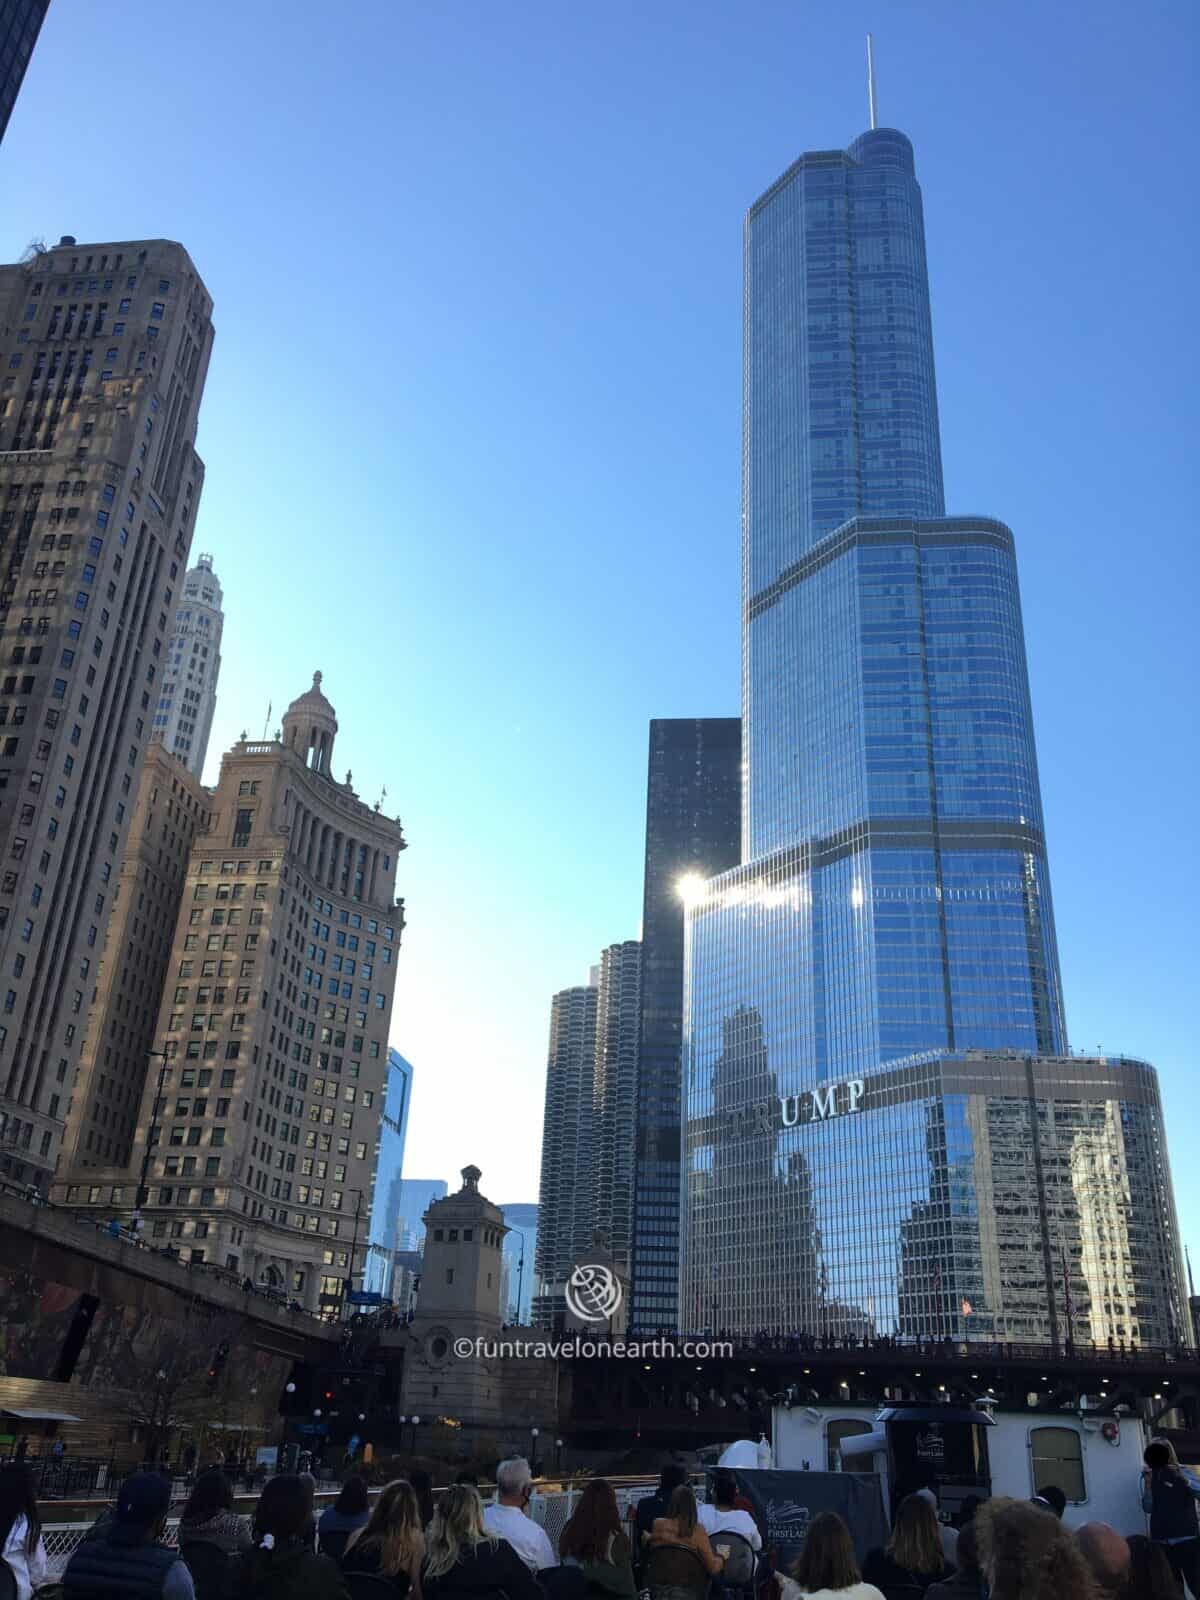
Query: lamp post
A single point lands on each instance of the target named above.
(533, 1439)
(288, 1388)
(558, 1444)
(143, 1192)
(415, 1423)
(353, 1252)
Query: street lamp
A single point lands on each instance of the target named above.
(415, 1423)
(558, 1444)
(533, 1439)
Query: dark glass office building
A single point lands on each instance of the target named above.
(693, 831)
(893, 903)
(20, 24)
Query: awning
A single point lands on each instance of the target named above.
(39, 1416)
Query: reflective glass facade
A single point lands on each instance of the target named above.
(893, 904)
(384, 1223)
(20, 24)
(693, 826)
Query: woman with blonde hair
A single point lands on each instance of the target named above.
(1026, 1555)
(913, 1556)
(390, 1543)
(463, 1561)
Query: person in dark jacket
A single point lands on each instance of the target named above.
(392, 1544)
(349, 1512)
(464, 1562)
(126, 1561)
(283, 1564)
(655, 1505)
(1169, 1495)
(208, 1516)
(967, 1582)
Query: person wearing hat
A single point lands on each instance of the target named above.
(126, 1561)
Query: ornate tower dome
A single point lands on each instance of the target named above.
(310, 726)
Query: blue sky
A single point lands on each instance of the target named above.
(472, 432)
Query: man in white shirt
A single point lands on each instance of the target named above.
(721, 1515)
(508, 1518)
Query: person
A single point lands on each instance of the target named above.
(1026, 1555)
(348, 1513)
(947, 1534)
(282, 1565)
(594, 1541)
(390, 1544)
(1051, 1498)
(1151, 1576)
(127, 1558)
(1107, 1556)
(309, 1484)
(826, 1568)
(681, 1525)
(721, 1514)
(967, 1582)
(655, 1505)
(506, 1516)
(913, 1555)
(470, 1478)
(208, 1516)
(1169, 1494)
(21, 1544)
(463, 1561)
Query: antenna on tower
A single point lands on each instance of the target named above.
(871, 79)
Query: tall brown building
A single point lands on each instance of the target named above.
(103, 355)
(274, 1023)
(103, 1108)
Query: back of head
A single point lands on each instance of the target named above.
(211, 1494)
(394, 1527)
(456, 1529)
(682, 1508)
(142, 1503)
(969, 1506)
(423, 1489)
(353, 1500)
(1053, 1498)
(596, 1518)
(827, 1560)
(1150, 1574)
(468, 1477)
(1160, 1453)
(967, 1549)
(284, 1509)
(17, 1499)
(916, 1542)
(1025, 1554)
(1106, 1554)
(671, 1477)
(513, 1477)
(724, 1488)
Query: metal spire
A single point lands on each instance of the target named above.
(871, 79)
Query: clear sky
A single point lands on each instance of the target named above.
(472, 431)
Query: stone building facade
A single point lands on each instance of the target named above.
(261, 1147)
(102, 1112)
(103, 355)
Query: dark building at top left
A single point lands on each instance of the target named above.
(104, 349)
(20, 24)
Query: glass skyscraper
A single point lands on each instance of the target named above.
(893, 905)
(693, 830)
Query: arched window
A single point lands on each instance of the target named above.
(1056, 1457)
(837, 1429)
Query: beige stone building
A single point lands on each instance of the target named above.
(274, 1023)
(103, 355)
(103, 1108)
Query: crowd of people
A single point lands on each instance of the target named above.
(409, 1546)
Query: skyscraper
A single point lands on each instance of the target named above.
(416, 1197)
(693, 829)
(188, 698)
(20, 23)
(566, 1192)
(384, 1222)
(615, 1086)
(104, 349)
(255, 1142)
(517, 1269)
(892, 915)
(103, 1105)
